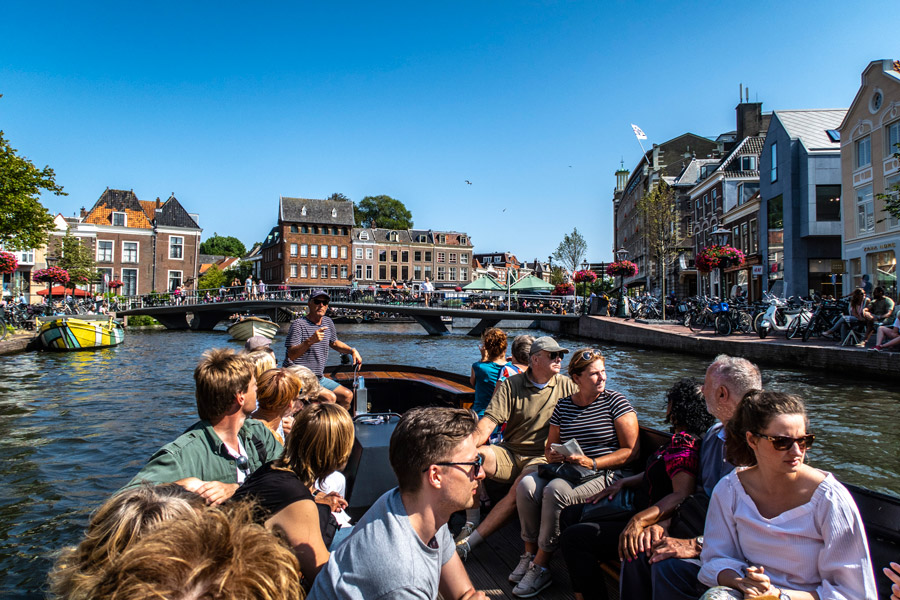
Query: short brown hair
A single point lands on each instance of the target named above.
(210, 554)
(521, 348)
(276, 389)
(219, 377)
(582, 359)
(319, 443)
(424, 436)
(754, 413)
(495, 342)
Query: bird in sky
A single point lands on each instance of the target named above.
(469, 182)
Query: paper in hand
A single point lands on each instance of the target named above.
(570, 448)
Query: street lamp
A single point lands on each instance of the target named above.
(722, 235)
(584, 266)
(550, 263)
(621, 311)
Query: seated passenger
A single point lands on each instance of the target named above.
(276, 391)
(890, 332)
(262, 361)
(775, 525)
(606, 427)
(214, 456)
(115, 526)
(518, 362)
(487, 370)
(606, 532)
(319, 444)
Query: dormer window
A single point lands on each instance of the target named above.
(303, 211)
(394, 236)
(119, 219)
(748, 163)
(364, 235)
(333, 213)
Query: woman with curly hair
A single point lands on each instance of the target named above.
(615, 522)
(485, 372)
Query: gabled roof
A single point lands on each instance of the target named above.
(890, 69)
(124, 201)
(149, 207)
(749, 146)
(810, 126)
(319, 212)
(691, 173)
(172, 214)
(273, 238)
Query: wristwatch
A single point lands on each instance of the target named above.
(699, 539)
(783, 596)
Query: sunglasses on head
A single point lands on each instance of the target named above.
(782, 442)
(590, 354)
(321, 301)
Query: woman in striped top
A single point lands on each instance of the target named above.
(606, 427)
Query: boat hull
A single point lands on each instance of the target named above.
(247, 327)
(67, 333)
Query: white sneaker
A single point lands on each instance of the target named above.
(519, 572)
(536, 580)
(465, 532)
(463, 549)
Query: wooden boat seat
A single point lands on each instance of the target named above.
(452, 387)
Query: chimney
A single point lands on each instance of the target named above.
(157, 203)
(749, 119)
(83, 212)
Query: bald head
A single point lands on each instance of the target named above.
(727, 380)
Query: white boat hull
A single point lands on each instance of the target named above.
(248, 327)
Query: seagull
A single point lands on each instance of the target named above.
(469, 182)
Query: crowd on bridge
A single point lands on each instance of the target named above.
(249, 501)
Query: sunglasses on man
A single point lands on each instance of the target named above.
(477, 463)
(323, 301)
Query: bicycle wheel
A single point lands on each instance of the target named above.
(723, 325)
(756, 320)
(698, 322)
(794, 329)
(811, 328)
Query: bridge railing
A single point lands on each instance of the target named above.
(364, 297)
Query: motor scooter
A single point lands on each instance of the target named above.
(781, 317)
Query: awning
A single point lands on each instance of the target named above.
(484, 283)
(59, 290)
(531, 284)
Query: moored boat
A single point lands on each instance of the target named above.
(71, 333)
(249, 325)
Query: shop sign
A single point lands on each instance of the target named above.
(879, 247)
(757, 270)
(837, 266)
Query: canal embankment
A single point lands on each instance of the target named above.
(778, 351)
(17, 342)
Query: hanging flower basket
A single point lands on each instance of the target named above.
(716, 256)
(115, 284)
(8, 262)
(563, 289)
(622, 268)
(51, 275)
(585, 276)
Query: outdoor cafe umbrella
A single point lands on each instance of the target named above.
(530, 284)
(59, 290)
(484, 284)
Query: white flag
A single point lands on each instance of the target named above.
(639, 132)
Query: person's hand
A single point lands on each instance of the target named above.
(316, 337)
(893, 573)
(756, 583)
(612, 489)
(554, 457)
(216, 492)
(631, 540)
(581, 460)
(669, 547)
(286, 423)
(473, 595)
(357, 359)
(333, 500)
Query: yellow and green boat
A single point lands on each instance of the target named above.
(71, 333)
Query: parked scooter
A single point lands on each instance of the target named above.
(781, 317)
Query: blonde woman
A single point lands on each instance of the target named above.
(262, 361)
(319, 444)
(276, 392)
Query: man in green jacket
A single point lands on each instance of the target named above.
(216, 454)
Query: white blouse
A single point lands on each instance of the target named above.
(819, 546)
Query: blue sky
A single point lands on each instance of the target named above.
(230, 105)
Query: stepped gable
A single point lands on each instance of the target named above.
(319, 212)
(173, 214)
(124, 201)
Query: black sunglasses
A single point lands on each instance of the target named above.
(321, 301)
(555, 355)
(782, 442)
(477, 463)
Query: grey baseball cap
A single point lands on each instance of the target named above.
(546, 343)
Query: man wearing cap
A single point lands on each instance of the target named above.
(258, 342)
(308, 341)
(525, 402)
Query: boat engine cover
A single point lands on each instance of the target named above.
(368, 471)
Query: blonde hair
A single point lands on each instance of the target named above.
(219, 377)
(210, 554)
(114, 527)
(320, 442)
(263, 361)
(309, 383)
(276, 389)
(582, 359)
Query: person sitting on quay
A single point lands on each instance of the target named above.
(889, 332)
(775, 525)
(525, 402)
(666, 567)
(881, 309)
(217, 453)
(307, 344)
(401, 547)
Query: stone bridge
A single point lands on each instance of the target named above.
(205, 316)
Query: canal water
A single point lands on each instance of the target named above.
(75, 427)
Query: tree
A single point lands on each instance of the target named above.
(77, 259)
(571, 250)
(338, 197)
(226, 245)
(384, 212)
(557, 275)
(242, 270)
(658, 212)
(24, 222)
(213, 279)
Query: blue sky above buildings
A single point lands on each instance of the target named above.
(230, 105)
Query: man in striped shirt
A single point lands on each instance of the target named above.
(308, 341)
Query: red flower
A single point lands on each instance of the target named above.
(8, 262)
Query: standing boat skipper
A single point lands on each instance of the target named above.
(308, 341)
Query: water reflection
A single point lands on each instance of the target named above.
(74, 427)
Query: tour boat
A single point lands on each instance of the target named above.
(249, 325)
(390, 390)
(71, 333)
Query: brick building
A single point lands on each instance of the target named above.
(410, 255)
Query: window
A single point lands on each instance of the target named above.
(754, 236)
(314, 229)
(828, 203)
(314, 271)
(736, 238)
(176, 247)
(129, 252)
(294, 229)
(344, 252)
(304, 229)
(303, 211)
(463, 240)
(104, 251)
(323, 271)
(441, 274)
(393, 256)
(334, 252)
(442, 239)
(745, 238)
(304, 271)
(119, 219)
(382, 256)
(343, 271)
(294, 250)
(865, 210)
(463, 274)
(774, 173)
(776, 213)
(706, 199)
(441, 257)
(129, 282)
(369, 272)
(323, 251)
(364, 235)
(105, 274)
(428, 256)
(382, 272)
(698, 207)
(404, 256)
(452, 272)
(748, 163)
(417, 256)
(293, 270)
(369, 253)
(394, 272)
(892, 188)
(428, 271)
(393, 236)
(358, 253)
(863, 152)
(417, 273)
(314, 250)
(358, 271)
(453, 257)
(304, 250)
(334, 272)
(463, 259)
(891, 138)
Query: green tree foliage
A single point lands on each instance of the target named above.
(77, 259)
(382, 211)
(571, 250)
(660, 229)
(213, 279)
(24, 222)
(338, 197)
(223, 245)
(241, 271)
(557, 275)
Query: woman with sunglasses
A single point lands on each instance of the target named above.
(775, 525)
(606, 428)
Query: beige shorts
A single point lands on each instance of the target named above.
(510, 465)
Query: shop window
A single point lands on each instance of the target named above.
(883, 268)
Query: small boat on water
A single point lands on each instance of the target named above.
(72, 333)
(247, 326)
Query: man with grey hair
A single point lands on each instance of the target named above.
(668, 569)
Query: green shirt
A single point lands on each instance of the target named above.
(200, 452)
(885, 306)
